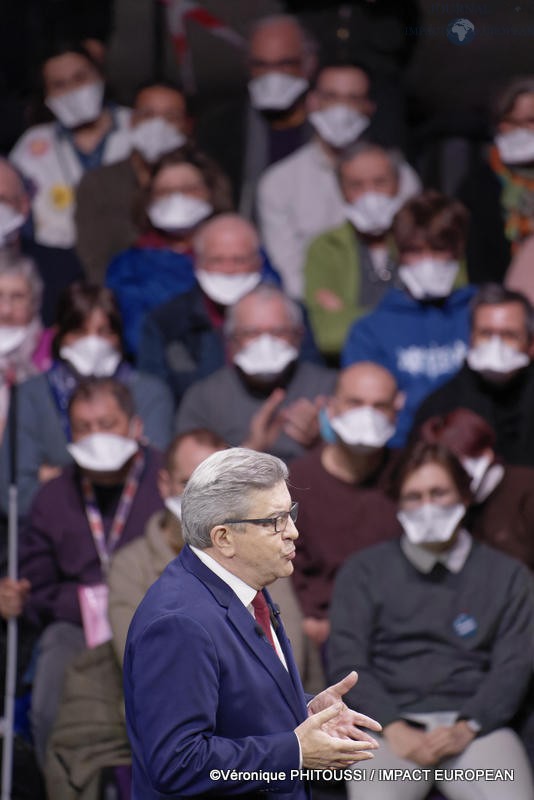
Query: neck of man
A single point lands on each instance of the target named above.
(116, 478)
(292, 118)
(87, 137)
(348, 466)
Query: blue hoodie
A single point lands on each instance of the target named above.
(421, 343)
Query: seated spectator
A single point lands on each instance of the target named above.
(24, 345)
(502, 513)
(105, 219)
(341, 482)
(248, 134)
(182, 340)
(269, 398)
(499, 189)
(87, 132)
(497, 379)
(77, 521)
(185, 189)
(443, 659)
(419, 332)
(299, 197)
(88, 341)
(350, 268)
(58, 267)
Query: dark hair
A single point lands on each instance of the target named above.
(421, 453)
(465, 433)
(76, 304)
(506, 99)
(161, 84)
(218, 185)
(64, 46)
(494, 294)
(89, 388)
(202, 436)
(433, 220)
(341, 63)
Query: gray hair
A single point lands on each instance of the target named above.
(220, 488)
(493, 294)
(265, 292)
(360, 148)
(13, 263)
(220, 221)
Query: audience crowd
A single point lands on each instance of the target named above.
(273, 276)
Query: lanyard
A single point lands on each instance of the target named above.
(105, 549)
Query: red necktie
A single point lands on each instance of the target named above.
(263, 617)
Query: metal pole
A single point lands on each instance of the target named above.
(12, 629)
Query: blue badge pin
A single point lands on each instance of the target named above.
(465, 625)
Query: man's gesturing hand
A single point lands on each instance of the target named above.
(321, 749)
(343, 725)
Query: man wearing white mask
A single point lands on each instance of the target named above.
(444, 659)
(77, 521)
(497, 378)
(341, 483)
(86, 133)
(269, 398)
(299, 197)
(105, 196)
(182, 340)
(245, 137)
(419, 332)
(349, 269)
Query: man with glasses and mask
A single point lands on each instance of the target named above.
(214, 703)
(269, 397)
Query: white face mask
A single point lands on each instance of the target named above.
(11, 338)
(516, 147)
(78, 106)
(227, 289)
(265, 356)
(373, 212)
(103, 452)
(155, 137)
(174, 504)
(11, 221)
(92, 355)
(178, 213)
(339, 125)
(431, 523)
(276, 91)
(429, 277)
(363, 429)
(484, 476)
(495, 360)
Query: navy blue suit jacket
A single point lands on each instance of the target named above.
(204, 690)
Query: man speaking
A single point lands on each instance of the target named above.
(214, 702)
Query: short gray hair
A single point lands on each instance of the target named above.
(360, 148)
(14, 263)
(220, 488)
(494, 294)
(266, 292)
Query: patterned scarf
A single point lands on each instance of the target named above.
(517, 199)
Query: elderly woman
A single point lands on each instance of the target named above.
(444, 660)
(24, 345)
(186, 189)
(88, 341)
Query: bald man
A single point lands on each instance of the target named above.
(58, 267)
(342, 506)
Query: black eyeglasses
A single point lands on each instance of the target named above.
(279, 522)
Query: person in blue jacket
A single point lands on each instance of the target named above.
(420, 330)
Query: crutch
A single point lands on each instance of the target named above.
(12, 630)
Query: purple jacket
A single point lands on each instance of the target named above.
(57, 551)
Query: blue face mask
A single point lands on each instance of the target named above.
(328, 434)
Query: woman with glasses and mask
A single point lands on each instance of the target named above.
(88, 342)
(444, 659)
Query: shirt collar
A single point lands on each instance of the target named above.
(453, 558)
(244, 592)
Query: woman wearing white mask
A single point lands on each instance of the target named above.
(444, 660)
(349, 268)
(420, 330)
(186, 188)
(88, 342)
(502, 513)
(86, 133)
